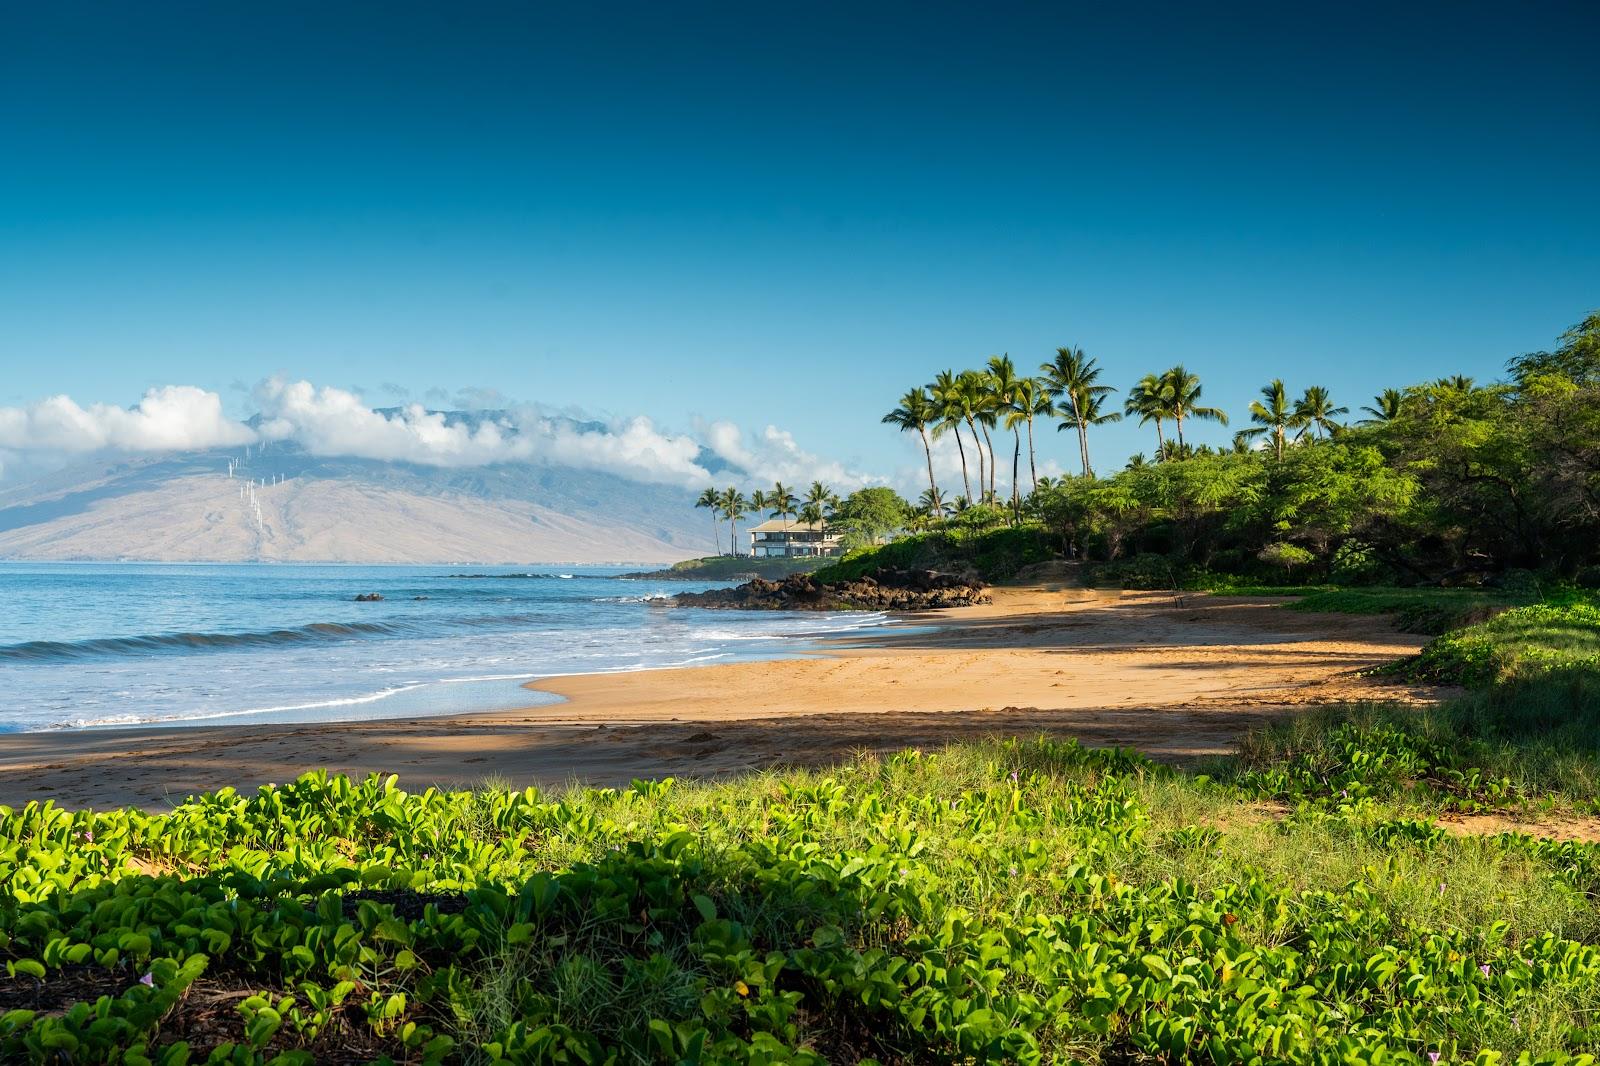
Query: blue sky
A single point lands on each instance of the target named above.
(786, 214)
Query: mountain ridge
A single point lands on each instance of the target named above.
(185, 507)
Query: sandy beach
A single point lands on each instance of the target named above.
(1177, 676)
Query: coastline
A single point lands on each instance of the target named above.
(1180, 677)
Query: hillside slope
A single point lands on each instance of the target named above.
(187, 509)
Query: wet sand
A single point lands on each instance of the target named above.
(1179, 677)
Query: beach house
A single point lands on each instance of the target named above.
(786, 536)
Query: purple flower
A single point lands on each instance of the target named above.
(1441, 888)
(1483, 968)
(1013, 777)
(148, 980)
(1433, 1056)
(1013, 871)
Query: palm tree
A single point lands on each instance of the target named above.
(733, 509)
(974, 398)
(780, 501)
(782, 504)
(1316, 410)
(1146, 399)
(917, 411)
(1074, 376)
(932, 503)
(1386, 407)
(1273, 414)
(1456, 383)
(1091, 407)
(819, 503)
(1181, 390)
(1003, 388)
(813, 512)
(946, 390)
(1032, 400)
(711, 499)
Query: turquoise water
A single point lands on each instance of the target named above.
(90, 644)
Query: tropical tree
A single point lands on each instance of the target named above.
(948, 399)
(1147, 400)
(1003, 389)
(1316, 410)
(1385, 407)
(1092, 408)
(932, 503)
(918, 411)
(1074, 377)
(821, 495)
(869, 515)
(1032, 401)
(781, 502)
(1181, 392)
(819, 499)
(1273, 414)
(733, 509)
(975, 399)
(712, 499)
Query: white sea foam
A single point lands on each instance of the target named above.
(431, 646)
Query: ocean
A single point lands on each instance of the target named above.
(119, 644)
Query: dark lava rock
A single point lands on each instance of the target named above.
(884, 590)
(369, 597)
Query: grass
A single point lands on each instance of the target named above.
(999, 901)
(730, 567)
(1517, 644)
(1416, 610)
(1528, 743)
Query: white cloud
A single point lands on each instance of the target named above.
(774, 455)
(170, 418)
(337, 422)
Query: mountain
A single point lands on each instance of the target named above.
(186, 508)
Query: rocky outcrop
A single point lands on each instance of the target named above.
(885, 590)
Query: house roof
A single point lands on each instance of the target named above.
(786, 525)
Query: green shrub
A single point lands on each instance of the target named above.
(1001, 902)
(1519, 643)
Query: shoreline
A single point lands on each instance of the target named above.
(1178, 676)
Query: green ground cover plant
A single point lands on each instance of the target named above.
(1010, 901)
(1525, 642)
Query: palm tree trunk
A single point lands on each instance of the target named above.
(1179, 419)
(1161, 442)
(977, 442)
(733, 537)
(1016, 461)
(990, 441)
(1033, 472)
(966, 481)
(716, 532)
(927, 450)
(1083, 433)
